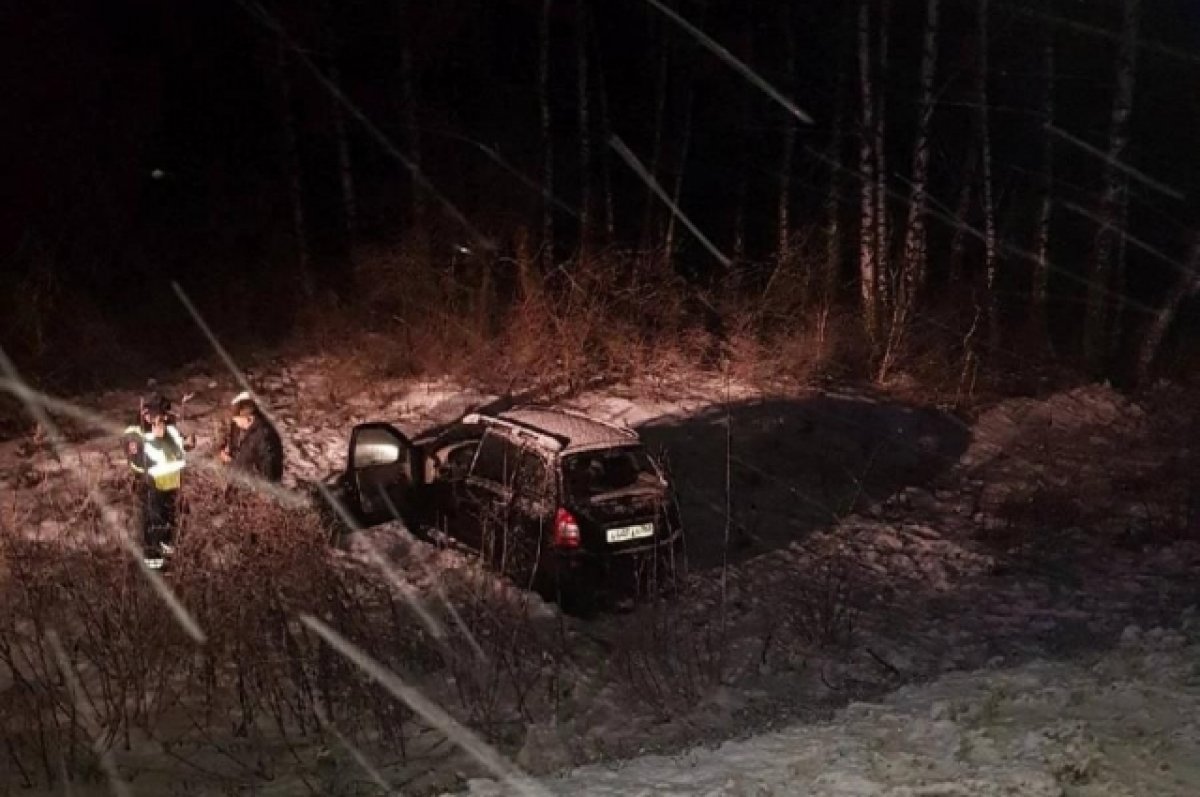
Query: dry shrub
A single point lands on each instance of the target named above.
(781, 323)
(821, 605)
(261, 696)
(504, 668)
(813, 346)
(672, 663)
(260, 688)
(507, 320)
(599, 317)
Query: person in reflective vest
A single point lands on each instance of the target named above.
(155, 452)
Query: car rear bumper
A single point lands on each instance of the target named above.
(635, 571)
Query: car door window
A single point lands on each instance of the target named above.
(455, 463)
(533, 476)
(496, 461)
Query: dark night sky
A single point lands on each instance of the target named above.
(99, 93)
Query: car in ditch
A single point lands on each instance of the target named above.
(570, 505)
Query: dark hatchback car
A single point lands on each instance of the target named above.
(561, 502)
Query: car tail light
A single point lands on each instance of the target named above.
(566, 530)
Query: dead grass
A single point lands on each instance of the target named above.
(614, 315)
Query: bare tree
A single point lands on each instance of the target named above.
(1112, 198)
(1041, 273)
(743, 183)
(408, 102)
(744, 129)
(585, 141)
(1120, 258)
(915, 244)
(606, 130)
(833, 203)
(985, 155)
(345, 165)
(784, 253)
(833, 156)
(291, 166)
(883, 236)
(1187, 285)
(661, 90)
(547, 134)
(913, 265)
(868, 228)
(966, 192)
(685, 143)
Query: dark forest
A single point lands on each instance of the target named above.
(1012, 180)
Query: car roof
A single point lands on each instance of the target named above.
(574, 431)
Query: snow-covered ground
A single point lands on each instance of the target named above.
(909, 602)
(1123, 724)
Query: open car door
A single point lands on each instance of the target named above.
(379, 474)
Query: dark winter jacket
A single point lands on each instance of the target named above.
(258, 451)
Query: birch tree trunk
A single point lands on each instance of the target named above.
(547, 136)
(345, 167)
(291, 167)
(1187, 285)
(585, 140)
(868, 229)
(915, 244)
(883, 238)
(1041, 273)
(905, 284)
(1095, 329)
(985, 154)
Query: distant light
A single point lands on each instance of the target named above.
(158, 174)
(462, 250)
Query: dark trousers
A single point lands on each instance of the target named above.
(158, 518)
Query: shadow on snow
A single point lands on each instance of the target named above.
(794, 465)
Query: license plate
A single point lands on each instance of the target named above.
(631, 532)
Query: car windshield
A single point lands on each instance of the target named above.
(591, 474)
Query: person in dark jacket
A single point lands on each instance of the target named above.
(252, 444)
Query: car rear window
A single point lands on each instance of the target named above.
(590, 474)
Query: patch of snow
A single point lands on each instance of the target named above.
(1045, 728)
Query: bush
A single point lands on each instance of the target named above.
(263, 694)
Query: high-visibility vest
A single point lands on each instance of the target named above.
(161, 459)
